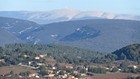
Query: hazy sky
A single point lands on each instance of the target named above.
(113, 6)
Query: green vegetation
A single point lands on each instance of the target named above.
(97, 70)
(130, 52)
(25, 73)
(59, 61)
(63, 54)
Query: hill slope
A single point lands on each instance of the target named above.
(97, 34)
(7, 38)
(100, 34)
(130, 52)
(17, 27)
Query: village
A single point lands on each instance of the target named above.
(46, 67)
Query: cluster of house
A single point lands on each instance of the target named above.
(54, 72)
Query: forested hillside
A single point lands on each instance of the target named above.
(130, 52)
(63, 54)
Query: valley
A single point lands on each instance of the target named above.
(69, 39)
(76, 49)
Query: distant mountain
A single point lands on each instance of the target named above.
(98, 34)
(13, 30)
(130, 52)
(105, 35)
(81, 34)
(7, 38)
(64, 15)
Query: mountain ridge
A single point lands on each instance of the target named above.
(113, 33)
(60, 15)
(105, 35)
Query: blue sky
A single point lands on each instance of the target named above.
(112, 6)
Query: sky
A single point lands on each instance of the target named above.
(111, 6)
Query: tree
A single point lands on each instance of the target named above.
(123, 56)
(68, 70)
(97, 70)
(124, 66)
(43, 73)
(61, 73)
(11, 72)
(82, 71)
(42, 68)
(115, 69)
(1, 50)
(26, 73)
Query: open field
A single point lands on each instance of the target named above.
(16, 69)
(113, 76)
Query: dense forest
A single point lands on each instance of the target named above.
(62, 54)
(130, 52)
(71, 55)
